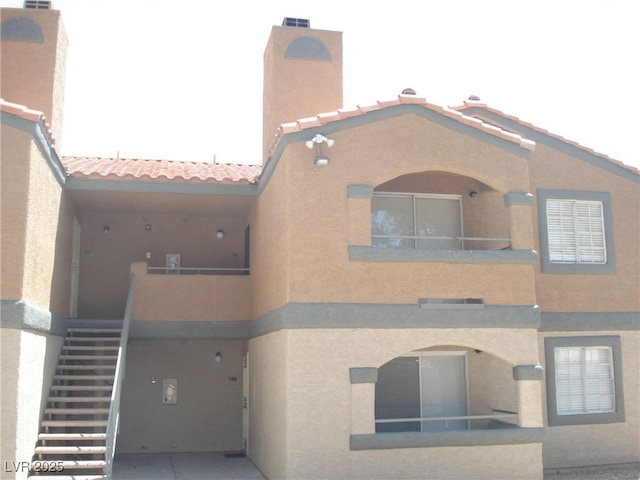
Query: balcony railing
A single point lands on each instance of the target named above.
(502, 416)
(197, 271)
(431, 242)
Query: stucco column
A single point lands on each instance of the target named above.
(363, 393)
(519, 206)
(359, 214)
(528, 381)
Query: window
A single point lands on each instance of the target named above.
(584, 380)
(431, 222)
(422, 393)
(576, 232)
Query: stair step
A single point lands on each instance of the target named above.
(86, 367)
(84, 388)
(94, 330)
(93, 339)
(72, 436)
(70, 477)
(78, 399)
(83, 377)
(74, 423)
(89, 347)
(79, 450)
(76, 411)
(88, 357)
(69, 464)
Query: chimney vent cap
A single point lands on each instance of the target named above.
(38, 4)
(296, 22)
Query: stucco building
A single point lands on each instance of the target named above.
(402, 290)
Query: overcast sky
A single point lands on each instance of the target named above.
(183, 80)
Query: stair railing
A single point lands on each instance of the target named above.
(114, 410)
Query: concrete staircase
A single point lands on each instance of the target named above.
(72, 440)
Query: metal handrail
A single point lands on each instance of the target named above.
(193, 271)
(434, 237)
(439, 419)
(114, 410)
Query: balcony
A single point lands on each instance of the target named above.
(439, 217)
(191, 294)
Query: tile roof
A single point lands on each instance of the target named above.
(329, 117)
(477, 104)
(28, 114)
(163, 170)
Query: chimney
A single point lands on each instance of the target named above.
(33, 52)
(302, 75)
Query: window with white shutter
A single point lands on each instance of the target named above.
(576, 231)
(584, 380)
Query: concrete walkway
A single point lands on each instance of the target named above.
(183, 466)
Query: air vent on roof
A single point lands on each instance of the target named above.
(408, 91)
(296, 22)
(38, 4)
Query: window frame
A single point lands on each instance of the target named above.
(612, 342)
(547, 266)
(413, 196)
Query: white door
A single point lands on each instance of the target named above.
(245, 403)
(75, 269)
(443, 386)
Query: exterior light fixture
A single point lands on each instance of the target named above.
(317, 140)
(220, 234)
(218, 357)
(147, 227)
(106, 229)
(473, 194)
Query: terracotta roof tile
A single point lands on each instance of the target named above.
(26, 113)
(477, 104)
(163, 170)
(341, 114)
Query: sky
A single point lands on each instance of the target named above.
(180, 80)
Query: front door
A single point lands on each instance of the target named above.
(443, 386)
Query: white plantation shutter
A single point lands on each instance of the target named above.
(584, 380)
(576, 231)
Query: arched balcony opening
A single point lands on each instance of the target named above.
(445, 388)
(439, 211)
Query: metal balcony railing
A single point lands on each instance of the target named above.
(431, 242)
(197, 271)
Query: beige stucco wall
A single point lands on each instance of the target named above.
(598, 444)
(551, 169)
(208, 415)
(270, 244)
(37, 222)
(269, 397)
(16, 148)
(302, 412)
(28, 363)
(321, 224)
(190, 297)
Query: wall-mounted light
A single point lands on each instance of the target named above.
(218, 357)
(317, 140)
(154, 380)
(220, 234)
(106, 229)
(147, 227)
(473, 194)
